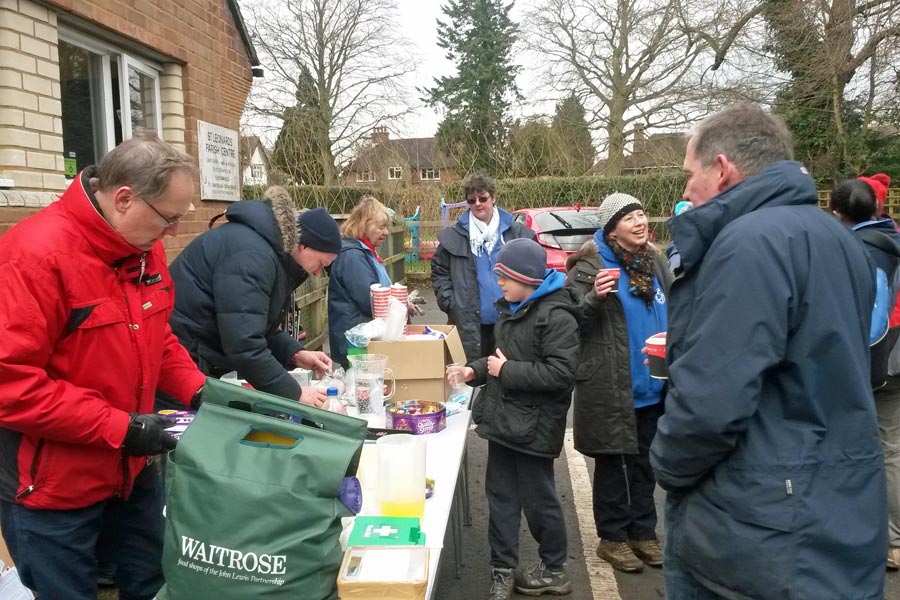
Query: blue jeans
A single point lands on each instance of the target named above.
(56, 551)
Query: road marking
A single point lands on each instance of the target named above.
(600, 574)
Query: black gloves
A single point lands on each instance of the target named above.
(147, 435)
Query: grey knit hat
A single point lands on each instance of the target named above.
(614, 207)
(522, 260)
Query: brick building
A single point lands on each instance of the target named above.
(79, 76)
(410, 160)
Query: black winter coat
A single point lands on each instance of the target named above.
(525, 408)
(455, 281)
(603, 420)
(233, 285)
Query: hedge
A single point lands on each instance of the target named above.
(658, 193)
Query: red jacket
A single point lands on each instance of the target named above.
(83, 343)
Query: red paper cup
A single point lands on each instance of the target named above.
(615, 274)
(656, 353)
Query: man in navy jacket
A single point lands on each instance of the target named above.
(769, 447)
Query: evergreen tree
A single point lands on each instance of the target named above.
(478, 38)
(576, 148)
(299, 151)
(532, 150)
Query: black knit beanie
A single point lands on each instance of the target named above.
(319, 231)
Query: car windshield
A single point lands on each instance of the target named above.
(581, 223)
(567, 219)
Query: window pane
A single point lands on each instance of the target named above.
(79, 89)
(141, 93)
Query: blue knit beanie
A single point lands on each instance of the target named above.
(522, 260)
(319, 231)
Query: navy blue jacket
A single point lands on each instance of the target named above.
(348, 295)
(769, 447)
(232, 286)
(885, 253)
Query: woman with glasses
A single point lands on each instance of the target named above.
(462, 270)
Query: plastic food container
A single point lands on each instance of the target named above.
(417, 416)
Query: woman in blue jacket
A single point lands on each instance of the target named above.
(617, 403)
(356, 268)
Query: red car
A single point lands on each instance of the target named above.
(561, 230)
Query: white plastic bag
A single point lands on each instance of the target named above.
(396, 319)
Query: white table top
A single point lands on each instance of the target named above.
(443, 457)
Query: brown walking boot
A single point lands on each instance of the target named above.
(648, 551)
(620, 556)
(893, 558)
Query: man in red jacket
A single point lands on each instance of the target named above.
(84, 343)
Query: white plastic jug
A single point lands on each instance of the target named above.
(401, 475)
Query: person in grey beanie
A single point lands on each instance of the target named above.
(529, 381)
(234, 284)
(617, 402)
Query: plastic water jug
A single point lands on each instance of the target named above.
(369, 372)
(401, 475)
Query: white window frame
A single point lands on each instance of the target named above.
(103, 104)
(395, 173)
(436, 174)
(365, 176)
(257, 171)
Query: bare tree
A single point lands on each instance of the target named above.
(335, 70)
(629, 62)
(821, 45)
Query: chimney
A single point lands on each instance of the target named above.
(638, 141)
(380, 135)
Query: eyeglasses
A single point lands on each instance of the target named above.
(170, 222)
(479, 199)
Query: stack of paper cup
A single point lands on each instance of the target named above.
(400, 292)
(380, 295)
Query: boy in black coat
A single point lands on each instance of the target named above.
(523, 416)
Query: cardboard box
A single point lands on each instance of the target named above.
(419, 366)
(384, 572)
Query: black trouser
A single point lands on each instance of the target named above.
(517, 482)
(624, 484)
(488, 342)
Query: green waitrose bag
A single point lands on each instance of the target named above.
(252, 500)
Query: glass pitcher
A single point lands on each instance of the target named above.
(369, 372)
(401, 475)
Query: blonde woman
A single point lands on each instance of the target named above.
(357, 267)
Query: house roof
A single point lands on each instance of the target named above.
(242, 31)
(417, 153)
(658, 151)
(247, 145)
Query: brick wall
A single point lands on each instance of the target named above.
(30, 125)
(208, 79)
